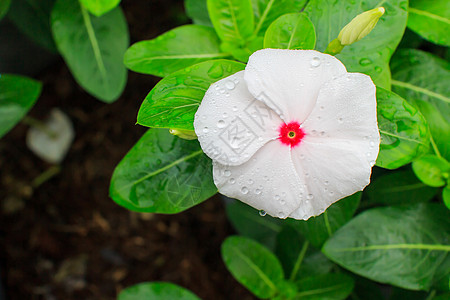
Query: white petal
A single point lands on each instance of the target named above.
(231, 124)
(266, 182)
(288, 81)
(341, 143)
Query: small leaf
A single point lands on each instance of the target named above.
(17, 95)
(421, 78)
(248, 222)
(291, 31)
(99, 7)
(232, 19)
(431, 20)
(4, 6)
(174, 50)
(198, 12)
(325, 287)
(401, 187)
(446, 196)
(157, 291)
(253, 265)
(318, 229)
(33, 18)
(402, 246)
(267, 11)
(431, 170)
(92, 47)
(172, 103)
(163, 174)
(403, 129)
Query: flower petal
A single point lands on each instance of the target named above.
(231, 124)
(288, 81)
(267, 182)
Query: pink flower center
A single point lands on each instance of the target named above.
(291, 134)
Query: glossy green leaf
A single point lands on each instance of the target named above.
(176, 49)
(432, 170)
(162, 173)
(232, 19)
(370, 55)
(403, 129)
(422, 79)
(325, 287)
(157, 291)
(198, 12)
(17, 95)
(297, 257)
(242, 52)
(318, 229)
(444, 296)
(291, 31)
(446, 196)
(33, 18)
(402, 246)
(253, 265)
(267, 11)
(172, 103)
(99, 7)
(92, 47)
(430, 19)
(4, 7)
(401, 187)
(249, 223)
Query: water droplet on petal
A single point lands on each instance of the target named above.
(250, 181)
(205, 130)
(225, 115)
(309, 197)
(244, 190)
(326, 182)
(315, 62)
(235, 108)
(230, 85)
(372, 144)
(341, 120)
(257, 191)
(281, 215)
(262, 213)
(282, 202)
(232, 180)
(227, 173)
(221, 124)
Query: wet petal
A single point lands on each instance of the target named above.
(266, 182)
(288, 81)
(231, 124)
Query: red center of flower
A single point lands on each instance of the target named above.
(291, 134)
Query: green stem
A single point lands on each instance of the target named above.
(435, 148)
(334, 47)
(298, 263)
(40, 126)
(46, 176)
(327, 224)
(431, 295)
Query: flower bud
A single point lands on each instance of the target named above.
(184, 134)
(360, 26)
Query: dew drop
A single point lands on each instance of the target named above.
(277, 197)
(221, 124)
(225, 115)
(340, 120)
(230, 85)
(302, 156)
(372, 144)
(322, 107)
(282, 202)
(262, 213)
(322, 133)
(315, 62)
(326, 182)
(227, 173)
(244, 190)
(257, 191)
(205, 130)
(372, 162)
(365, 62)
(368, 154)
(235, 108)
(281, 215)
(250, 181)
(232, 180)
(309, 197)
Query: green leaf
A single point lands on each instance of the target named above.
(431, 20)
(402, 246)
(267, 11)
(401, 294)
(176, 49)
(291, 31)
(99, 7)
(371, 55)
(253, 265)
(4, 6)
(403, 129)
(17, 95)
(297, 257)
(232, 19)
(33, 18)
(318, 229)
(198, 12)
(162, 173)
(400, 187)
(172, 103)
(92, 47)
(446, 196)
(422, 79)
(248, 222)
(431, 170)
(156, 291)
(325, 287)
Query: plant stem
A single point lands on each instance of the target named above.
(298, 263)
(45, 176)
(38, 124)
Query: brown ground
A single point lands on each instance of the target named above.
(66, 239)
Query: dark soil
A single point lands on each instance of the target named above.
(65, 238)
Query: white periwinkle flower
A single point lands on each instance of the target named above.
(291, 134)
